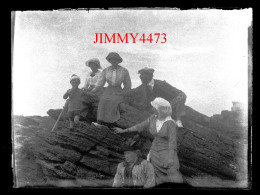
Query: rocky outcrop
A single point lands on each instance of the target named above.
(89, 155)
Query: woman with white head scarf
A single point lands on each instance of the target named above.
(163, 152)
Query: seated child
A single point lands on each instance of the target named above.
(75, 102)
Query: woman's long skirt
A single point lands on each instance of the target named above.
(108, 106)
(163, 173)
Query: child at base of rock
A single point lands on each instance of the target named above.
(75, 102)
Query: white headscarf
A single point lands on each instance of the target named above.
(164, 108)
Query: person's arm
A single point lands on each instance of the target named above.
(168, 89)
(67, 94)
(139, 127)
(131, 92)
(101, 81)
(150, 176)
(171, 128)
(136, 128)
(180, 97)
(118, 179)
(127, 81)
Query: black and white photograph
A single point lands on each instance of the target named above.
(132, 98)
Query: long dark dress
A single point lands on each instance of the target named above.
(163, 152)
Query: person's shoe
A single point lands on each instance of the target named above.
(179, 124)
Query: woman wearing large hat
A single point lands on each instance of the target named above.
(114, 75)
(93, 77)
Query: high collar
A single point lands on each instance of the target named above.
(94, 74)
(114, 67)
(167, 118)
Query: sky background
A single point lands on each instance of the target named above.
(205, 54)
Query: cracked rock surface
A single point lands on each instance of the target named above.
(88, 157)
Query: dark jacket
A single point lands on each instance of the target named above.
(142, 96)
(164, 90)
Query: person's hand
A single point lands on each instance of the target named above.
(180, 97)
(119, 130)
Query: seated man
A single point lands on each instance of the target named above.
(153, 88)
(134, 171)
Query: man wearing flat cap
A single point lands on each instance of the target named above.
(134, 171)
(153, 88)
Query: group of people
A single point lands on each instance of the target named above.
(165, 102)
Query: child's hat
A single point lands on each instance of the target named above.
(74, 77)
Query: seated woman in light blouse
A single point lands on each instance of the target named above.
(93, 77)
(115, 75)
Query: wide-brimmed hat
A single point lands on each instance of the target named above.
(74, 76)
(114, 55)
(94, 61)
(146, 70)
(132, 146)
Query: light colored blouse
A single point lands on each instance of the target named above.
(92, 80)
(115, 77)
(159, 123)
